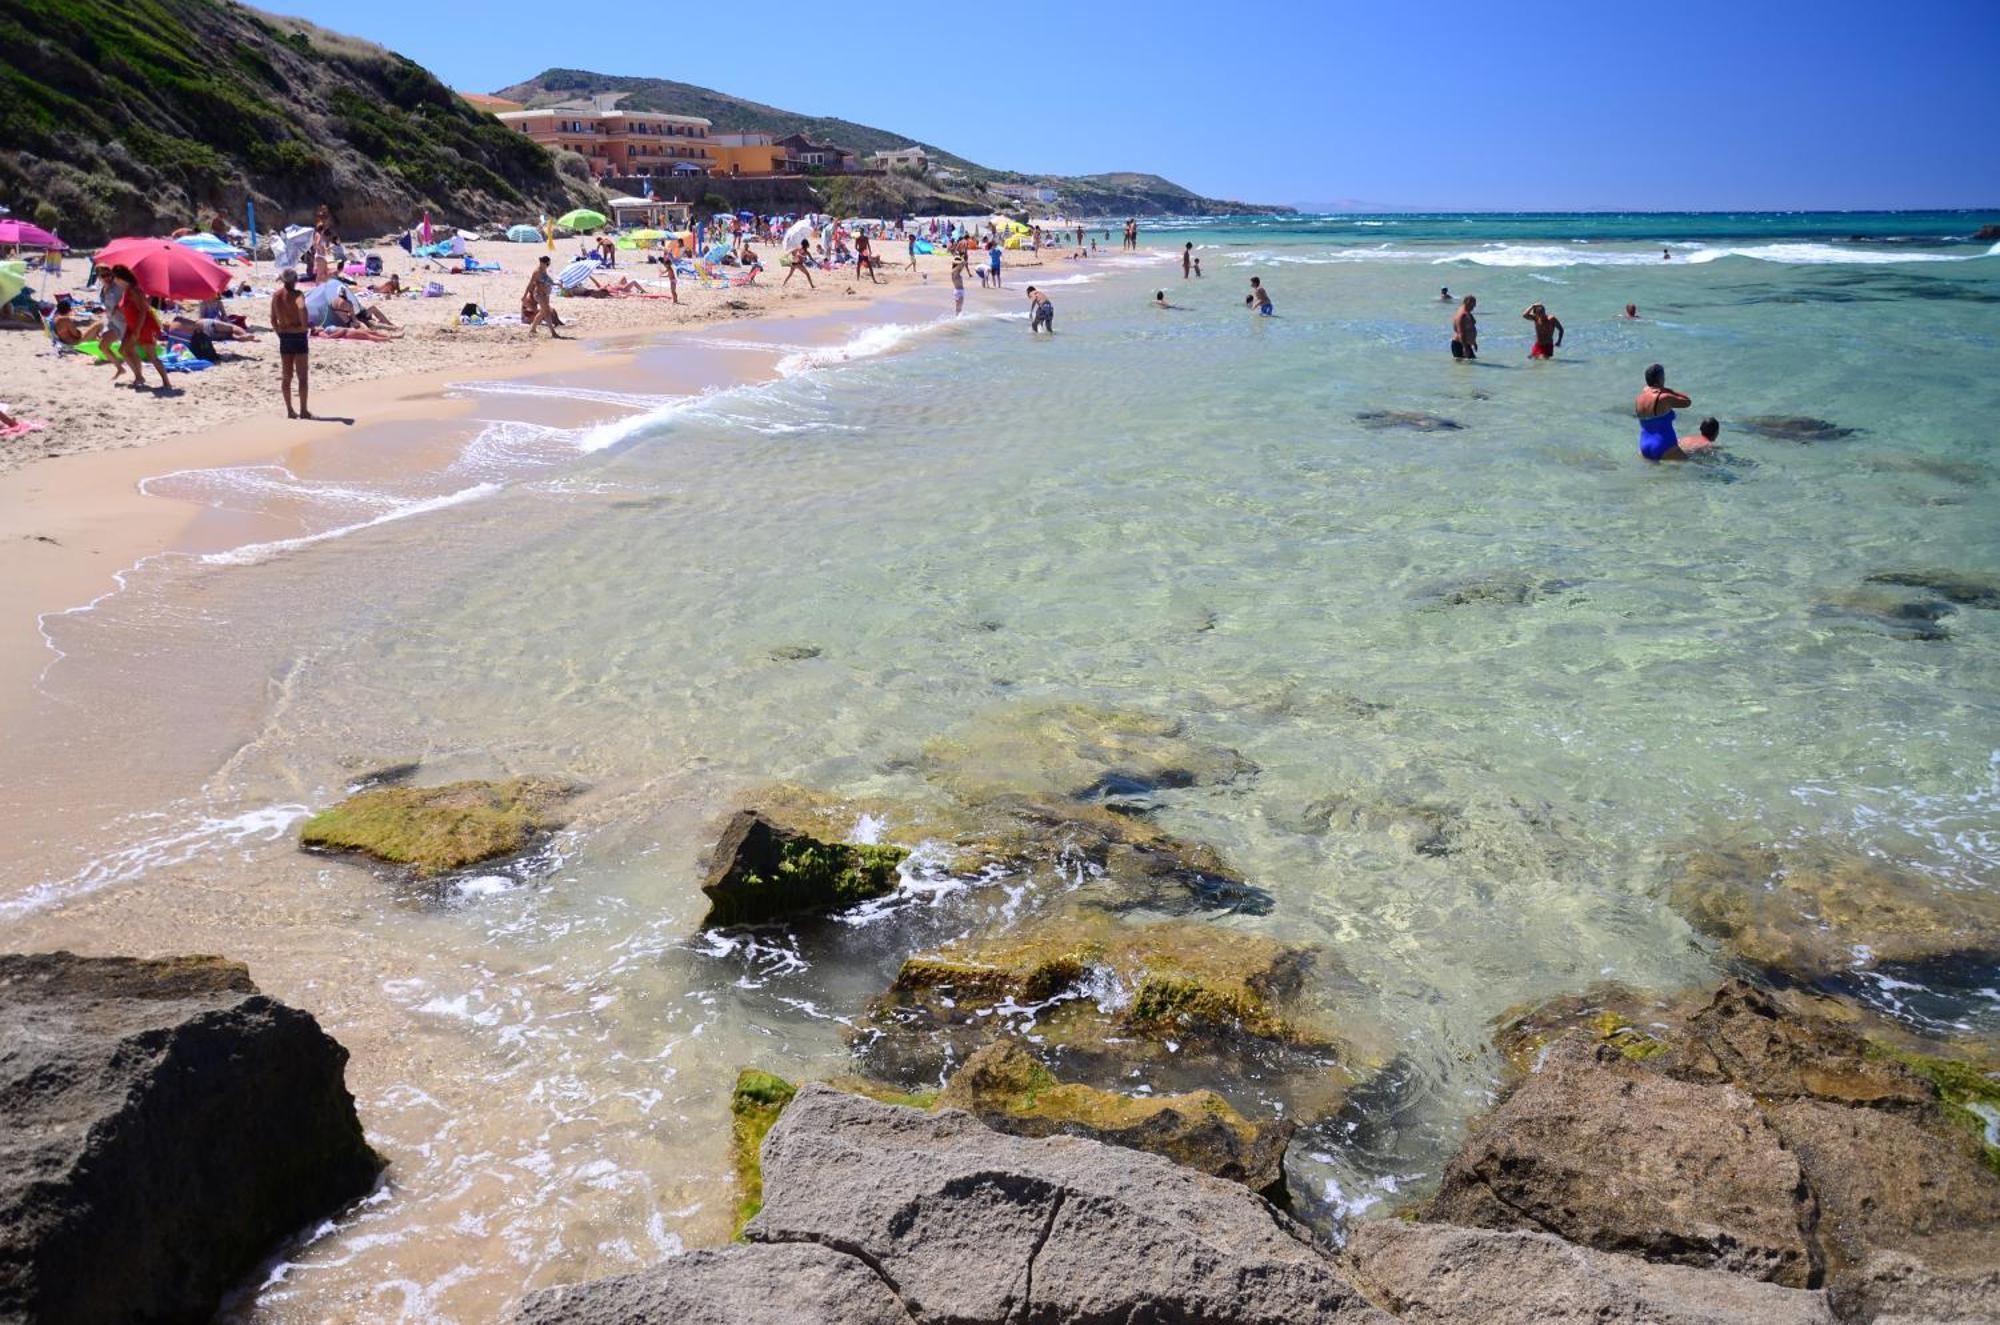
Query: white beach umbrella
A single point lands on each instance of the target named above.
(799, 230)
(576, 273)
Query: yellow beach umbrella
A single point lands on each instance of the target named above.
(647, 235)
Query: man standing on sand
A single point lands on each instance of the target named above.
(1187, 260)
(288, 319)
(1548, 332)
(864, 260)
(1465, 330)
(541, 293)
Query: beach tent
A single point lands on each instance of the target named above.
(524, 234)
(319, 302)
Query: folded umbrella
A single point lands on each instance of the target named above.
(165, 269)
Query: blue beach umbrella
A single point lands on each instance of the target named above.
(524, 234)
(576, 273)
(209, 246)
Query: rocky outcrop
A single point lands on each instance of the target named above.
(1896, 613)
(761, 872)
(435, 830)
(967, 1224)
(163, 1126)
(1812, 913)
(1005, 1087)
(1438, 1274)
(1741, 1130)
(1966, 588)
(1599, 1152)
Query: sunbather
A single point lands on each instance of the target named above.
(392, 286)
(214, 328)
(65, 324)
(353, 332)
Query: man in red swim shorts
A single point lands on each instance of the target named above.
(1548, 332)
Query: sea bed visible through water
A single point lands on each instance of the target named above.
(1583, 666)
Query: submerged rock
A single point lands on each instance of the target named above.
(1380, 419)
(1899, 615)
(1966, 588)
(1815, 913)
(434, 830)
(1075, 752)
(972, 1225)
(1497, 588)
(760, 872)
(1794, 428)
(163, 1127)
(1005, 1087)
(1440, 1274)
(1176, 1001)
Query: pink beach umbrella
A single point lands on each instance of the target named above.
(22, 235)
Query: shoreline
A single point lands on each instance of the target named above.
(79, 522)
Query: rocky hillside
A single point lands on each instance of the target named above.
(146, 115)
(1107, 195)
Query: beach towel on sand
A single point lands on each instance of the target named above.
(23, 427)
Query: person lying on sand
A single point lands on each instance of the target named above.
(354, 332)
(392, 286)
(214, 328)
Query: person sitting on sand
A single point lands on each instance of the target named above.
(346, 313)
(1041, 312)
(1465, 330)
(64, 323)
(392, 286)
(1655, 408)
(1548, 332)
(1258, 298)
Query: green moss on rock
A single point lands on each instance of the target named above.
(433, 830)
(754, 1105)
(760, 872)
(1968, 1094)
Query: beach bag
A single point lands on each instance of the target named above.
(433, 291)
(202, 347)
(472, 310)
(373, 266)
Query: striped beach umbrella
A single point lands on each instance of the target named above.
(576, 273)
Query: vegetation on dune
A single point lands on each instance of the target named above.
(150, 114)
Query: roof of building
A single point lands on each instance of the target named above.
(481, 101)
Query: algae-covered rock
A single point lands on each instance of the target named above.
(1897, 613)
(1005, 1087)
(1793, 428)
(1633, 1023)
(1380, 419)
(1180, 1003)
(755, 1103)
(433, 830)
(1076, 752)
(1816, 912)
(1494, 588)
(760, 872)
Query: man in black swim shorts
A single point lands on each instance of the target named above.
(288, 319)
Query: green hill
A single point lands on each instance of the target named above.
(145, 115)
(1106, 195)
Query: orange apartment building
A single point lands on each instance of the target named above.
(620, 142)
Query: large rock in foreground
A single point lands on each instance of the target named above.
(1435, 1274)
(754, 1285)
(163, 1126)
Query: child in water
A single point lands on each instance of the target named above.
(1041, 313)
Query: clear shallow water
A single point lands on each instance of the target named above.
(1600, 663)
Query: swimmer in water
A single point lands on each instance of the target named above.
(1258, 297)
(1655, 407)
(1548, 332)
(1160, 300)
(1631, 312)
(1666, 256)
(1465, 329)
(1444, 294)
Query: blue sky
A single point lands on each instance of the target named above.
(1693, 106)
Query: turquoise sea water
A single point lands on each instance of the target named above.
(1595, 664)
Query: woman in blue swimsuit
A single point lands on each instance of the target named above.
(1655, 407)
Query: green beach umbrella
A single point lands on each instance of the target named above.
(580, 219)
(13, 279)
